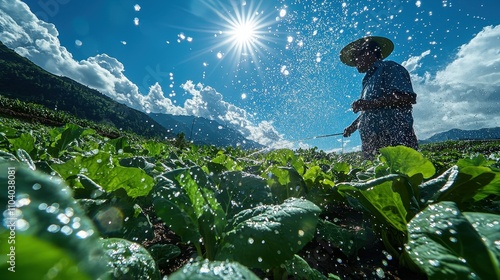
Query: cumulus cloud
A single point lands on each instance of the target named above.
(465, 94)
(208, 103)
(38, 41)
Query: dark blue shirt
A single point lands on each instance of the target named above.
(384, 78)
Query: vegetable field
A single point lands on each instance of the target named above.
(77, 205)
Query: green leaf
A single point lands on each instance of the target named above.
(378, 197)
(430, 190)
(129, 260)
(154, 148)
(488, 226)
(461, 185)
(50, 218)
(103, 169)
(23, 156)
(445, 244)
(71, 133)
(139, 162)
(348, 241)
(226, 161)
(266, 236)
(479, 160)
(162, 253)
(189, 207)
(119, 145)
(286, 157)
(404, 160)
(240, 191)
(25, 141)
(178, 219)
(35, 258)
(4, 156)
(298, 268)
(8, 131)
(285, 182)
(216, 270)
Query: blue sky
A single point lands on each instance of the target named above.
(269, 69)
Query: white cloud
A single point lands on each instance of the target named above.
(38, 41)
(465, 94)
(208, 103)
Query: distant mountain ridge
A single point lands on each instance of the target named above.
(459, 134)
(22, 79)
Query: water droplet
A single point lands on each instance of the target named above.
(301, 233)
(37, 186)
(23, 202)
(259, 259)
(83, 234)
(380, 273)
(66, 230)
(250, 240)
(53, 228)
(22, 225)
(434, 263)
(63, 218)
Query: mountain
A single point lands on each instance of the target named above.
(21, 79)
(203, 131)
(459, 134)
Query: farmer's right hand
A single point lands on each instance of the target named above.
(349, 130)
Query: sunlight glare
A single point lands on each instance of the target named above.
(243, 28)
(243, 32)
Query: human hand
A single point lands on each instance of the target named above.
(349, 130)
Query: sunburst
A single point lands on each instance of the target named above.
(244, 28)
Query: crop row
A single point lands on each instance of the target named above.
(84, 204)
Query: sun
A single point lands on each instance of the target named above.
(243, 27)
(244, 33)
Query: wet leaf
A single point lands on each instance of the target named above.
(447, 244)
(129, 260)
(47, 217)
(404, 160)
(103, 170)
(216, 270)
(35, 258)
(239, 191)
(298, 268)
(266, 236)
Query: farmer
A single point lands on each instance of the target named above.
(386, 100)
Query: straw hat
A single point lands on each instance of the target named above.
(349, 52)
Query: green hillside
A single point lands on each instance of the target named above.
(23, 80)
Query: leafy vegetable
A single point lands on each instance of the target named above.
(105, 171)
(238, 191)
(216, 270)
(129, 260)
(446, 243)
(268, 235)
(190, 208)
(404, 160)
(46, 217)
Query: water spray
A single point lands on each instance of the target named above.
(301, 140)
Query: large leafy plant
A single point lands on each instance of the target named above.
(398, 191)
(236, 219)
